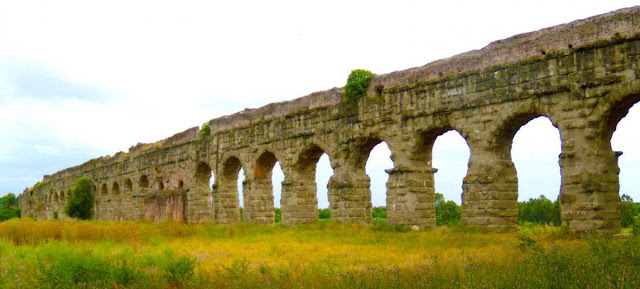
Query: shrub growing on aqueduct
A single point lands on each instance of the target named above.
(80, 202)
(357, 84)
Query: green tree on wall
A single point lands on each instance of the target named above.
(80, 202)
(8, 207)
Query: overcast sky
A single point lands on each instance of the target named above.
(81, 79)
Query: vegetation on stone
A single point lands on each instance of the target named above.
(205, 130)
(80, 201)
(357, 84)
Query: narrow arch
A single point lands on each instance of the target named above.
(378, 162)
(230, 194)
(260, 203)
(623, 141)
(441, 159)
(304, 197)
(143, 182)
(104, 190)
(55, 197)
(115, 189)
(534, 151)
(360, 208)
(128, 185)
(450, 159)
(203, 175)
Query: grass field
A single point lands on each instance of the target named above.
(74, 254)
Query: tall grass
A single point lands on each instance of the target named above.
(67, 254)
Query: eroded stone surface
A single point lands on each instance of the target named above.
(583, 76)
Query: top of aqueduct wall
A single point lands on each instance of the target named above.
(623, 22)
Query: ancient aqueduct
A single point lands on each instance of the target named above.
(583, 76)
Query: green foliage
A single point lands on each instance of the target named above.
(379, 213)
(448, 213)
(80, 201)
(540, 211)
(357, 84)
(324, 214)
(178, 268)
(380, 225)
(205, 130)
(8, 207)
(629, 211)
(278, 212)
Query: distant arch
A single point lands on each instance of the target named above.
(104, 190)
(203, 174)
(143, 182)
(115, 189)
(128, 185)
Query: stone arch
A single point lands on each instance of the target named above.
(507, 129)
(534, 152)
(143, 182)
(115, 188)
(55, 197)
(228, 207)
(104, 190)
(624, 143)
(203, 175)
(617, 111)
(422, 150)
(128, 185)
(299, 201)
(350, 179)
(259, 199)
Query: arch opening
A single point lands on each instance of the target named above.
(314, 170)
(143, 182)
(624, 140)
(268, 184)
(128, 185)
(534, 150)
(450, 156)
(115, 188)
(104, 190)
(203, 175)
(231, 191)
(378, 161)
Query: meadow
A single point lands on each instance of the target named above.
(92, 254)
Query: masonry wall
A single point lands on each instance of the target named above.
(583, 76)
